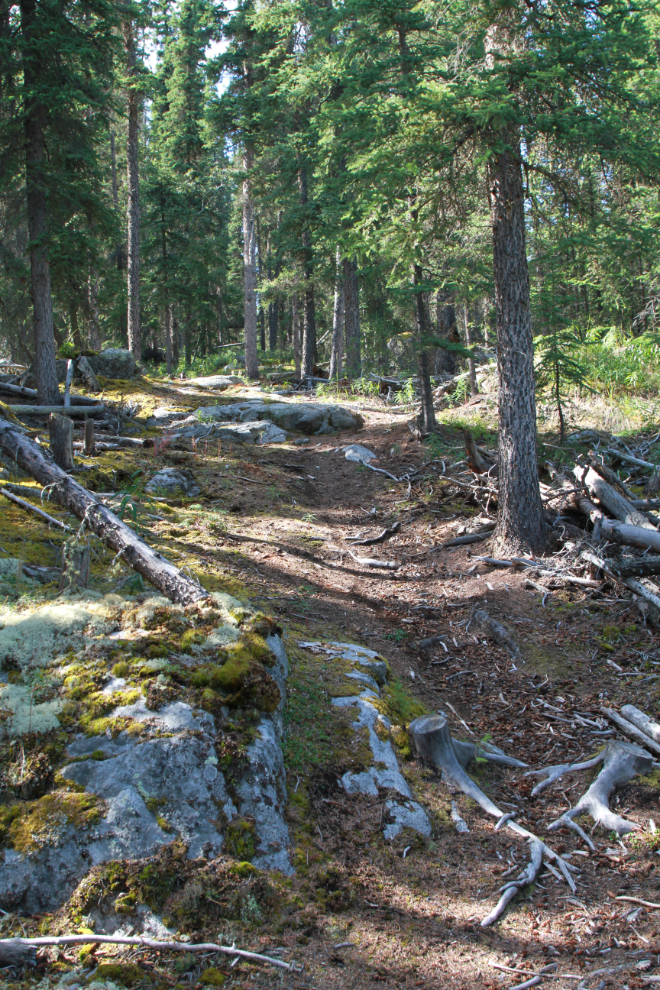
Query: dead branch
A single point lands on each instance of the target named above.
(554, 773)
(98, 409)
(607, 495)
(385, 535)
(31, 393)
(641, 721)
(385, 565)
(511, 889)
(621, 762)
(100, 520)
(25, 945)
(33, 508)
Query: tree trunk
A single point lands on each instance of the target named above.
(427, 412)
(273, 325)
(262, 328)
(446, 323)
(35, 152)
(133, 209)
(295, 330)
(168, 338)
(94, 320)
(75, 327)
(520, 518)
(337, 354)
(100, 520)
(352, 319)
(474, 388)
(309, 315)
(249, 268)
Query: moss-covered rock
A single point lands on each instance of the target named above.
(240, 839)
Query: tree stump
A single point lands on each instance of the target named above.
(75, 567)
(89, 437)
(89, 379)
(61, 441)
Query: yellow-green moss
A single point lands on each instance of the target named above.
(40, 820)
(121, 669)
(8, 814)
(126, 903)
(243, 870)
(125, 974)
(191, 638)
(240, 839)
(212, 977)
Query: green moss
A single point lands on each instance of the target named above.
(126, 903)
(401, 740)
(126, 974)
(41, 820)
(121, 669)
(398, 704)
(191, 638)
(8, 814)
(232, 674)
(240, 839)
(243, 870)
(212, 977)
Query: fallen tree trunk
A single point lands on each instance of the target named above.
(642, 722)
(31, 393)
(100, 520)
(620, 508)
(632, 731)
(96, 410)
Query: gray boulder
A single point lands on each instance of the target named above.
(262, 431)
(307, 417)
(169, 481)
(114, 363)
(219, 382)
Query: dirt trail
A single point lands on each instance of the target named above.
(272, 525)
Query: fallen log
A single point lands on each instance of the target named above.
(23, 950)
(630, 582)
(95, 410)
(100, 520)
(385, 535)
(632, 567)
(496, 631)
(33, 508)
(632, 731)
(31, 393)
(641, 721)
(608, 496)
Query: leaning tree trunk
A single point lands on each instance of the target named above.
(337, 353)
(352, 319)
(133, 209)
(249, 268)
(100, 520)
(35, 152)
(520, 518)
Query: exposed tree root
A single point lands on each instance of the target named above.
(621, 762)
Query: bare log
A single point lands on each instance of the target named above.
(89, 379)
(632, 731)
(641, 721)
(384, 565)
(620, 508)
(617, 455)
(60, 429)
(98, 409)
(31, 393)
(67, 383)
(632, 567)
(385, 535)
(29, 944)
(621, 762)
(100, 520)
(33, 508)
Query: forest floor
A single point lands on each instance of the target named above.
(271, 526)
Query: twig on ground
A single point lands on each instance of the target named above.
(37, 512)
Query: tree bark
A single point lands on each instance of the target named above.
(61, 441)
(427, 412)
(249, 268)
(168, 338)
(133, 210)
(521, 526)
(309, 313)
(37, 208)
(447, 330)
(352, 319)
(337, 353)
(100, 520)
(295, 330)
(94, 320)
(474, 388)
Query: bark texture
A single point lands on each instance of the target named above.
(100, 520)
(447, 330)
(249, 268)
(133, 209)
(37, 208)
(295, 330)
(427, 412)
(61, 441)
(521, 525)
(309, 314)
(352, 319)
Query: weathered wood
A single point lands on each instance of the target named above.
(638, 567)
(17, 952)
(89, 379)
(60, 430)
(75, 567)
(31, 393)
(70, 368)
(89, 437)
(100, 520)
(95, 410)
(642, 722)
(28, 946)
(33, 508)
(620, 508)
(631, 731)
